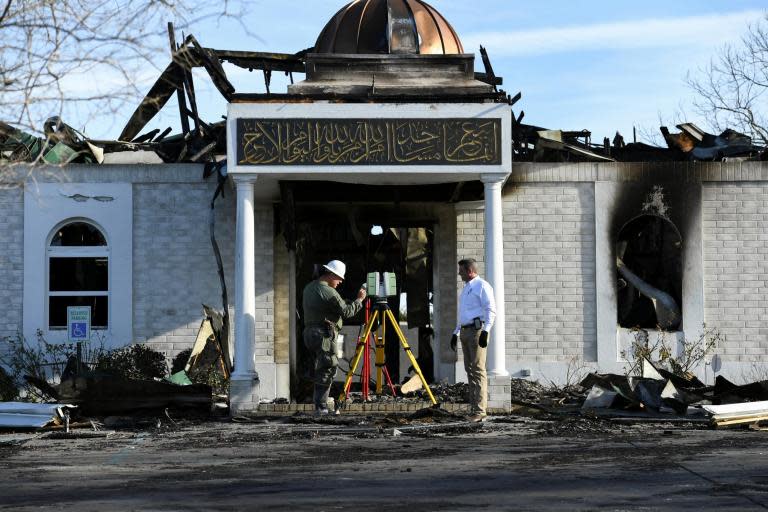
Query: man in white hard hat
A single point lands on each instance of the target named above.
(324, 312)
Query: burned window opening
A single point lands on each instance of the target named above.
(649, 264)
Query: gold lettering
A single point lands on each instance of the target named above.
(369, 141)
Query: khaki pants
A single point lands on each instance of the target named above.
(474, 364)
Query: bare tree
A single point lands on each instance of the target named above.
(732, 91)
(60, 57)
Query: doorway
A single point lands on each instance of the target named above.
(367, 238)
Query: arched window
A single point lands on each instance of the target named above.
(78, 274)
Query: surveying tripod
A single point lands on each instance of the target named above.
(382, 311)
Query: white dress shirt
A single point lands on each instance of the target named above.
(477, 301)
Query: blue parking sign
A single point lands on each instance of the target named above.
(79, 323)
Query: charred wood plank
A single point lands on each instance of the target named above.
(289, 63)
(179, 74)
(106, 395)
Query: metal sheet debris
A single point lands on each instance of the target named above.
(598, 398)
(30, 415)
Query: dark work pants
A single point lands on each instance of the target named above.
(319, 341)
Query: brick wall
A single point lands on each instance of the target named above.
(734, 219)
(549, 268)
(174, 268)
(265, 295)
(470, 236)
(282, 306)
(445, 296)
(11, 261)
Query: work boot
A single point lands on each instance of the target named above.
(476, 417)
(322, 412)
(320, 398)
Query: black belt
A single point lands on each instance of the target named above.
(469, 326)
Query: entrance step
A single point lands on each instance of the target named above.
(367, 408)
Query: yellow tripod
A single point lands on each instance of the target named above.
(381, 310)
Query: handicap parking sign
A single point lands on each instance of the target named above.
(79, 323)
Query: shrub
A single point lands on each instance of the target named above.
(41, 360)
(661, 354)
(9, 391)
(133, 362)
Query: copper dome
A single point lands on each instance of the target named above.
(388, 27)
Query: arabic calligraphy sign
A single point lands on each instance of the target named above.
(369, 141)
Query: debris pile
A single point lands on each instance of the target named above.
(205, 142)
(130, 380)
(660, 394)
(199, 141)
(697, 144)
(448, 393)
(536, 144)
(442, 391)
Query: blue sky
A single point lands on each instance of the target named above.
(599, 65)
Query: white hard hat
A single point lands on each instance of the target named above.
(337, 267)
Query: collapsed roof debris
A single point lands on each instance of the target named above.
(62, 144)
(203, 142)
(700, 145)
(536, 144)
(199, 141)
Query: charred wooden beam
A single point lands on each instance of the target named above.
(289, 63)
(489, 75)
(176, 78)
(179, 90)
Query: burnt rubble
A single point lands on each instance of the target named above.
(536, 144)
(205, 142)
(198, 142)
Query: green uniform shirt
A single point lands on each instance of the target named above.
(321, 302)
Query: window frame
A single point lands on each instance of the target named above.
(77, 251)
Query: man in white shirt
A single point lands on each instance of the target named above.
(477, 311)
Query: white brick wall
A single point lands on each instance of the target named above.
(282, 307)
(174, 268)
(734, 220)
(11, 260)
(470, 236)
(549, 267)
(549, 255)
(265, 294)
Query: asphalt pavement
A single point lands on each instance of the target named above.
(509, 463)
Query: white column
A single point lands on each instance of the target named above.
(245, 285)
(494, 270)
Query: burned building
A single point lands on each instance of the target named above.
(393, 154)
